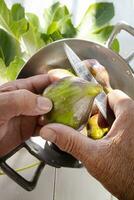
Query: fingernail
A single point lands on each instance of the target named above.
(48, 134)
(44, 104)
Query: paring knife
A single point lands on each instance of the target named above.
(82, 71)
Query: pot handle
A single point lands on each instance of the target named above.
(117, 29)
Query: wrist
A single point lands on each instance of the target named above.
(125, 190)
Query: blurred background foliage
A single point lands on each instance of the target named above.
(23, 33)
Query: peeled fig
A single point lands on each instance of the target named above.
(72, 99)
(94, 131)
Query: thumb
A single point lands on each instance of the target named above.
(119, 102)
(22, 102)
(71, 141)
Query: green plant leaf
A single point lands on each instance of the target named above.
(58, 20)
(13, 21)
(11, 72)
(102, 13)
(14, 68)
(67, 28)
(116, 46)
(17, 12)
(18, 23)
(53, 37)
(3, 77)
(5, 16)
(56, 36)
(101, 36)
(19, 28)
(49, 15)
(46, 38)
(97, 16)
(34, 21)
(32, 41)
(54, 26)
(9, 47)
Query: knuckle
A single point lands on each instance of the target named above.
(25, 96)
(21, 97)
(23, 92)
(9, 86)
(69, 146)
(73, 146)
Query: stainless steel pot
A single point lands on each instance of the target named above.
(53, 56)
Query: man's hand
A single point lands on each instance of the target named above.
(20, 108)
(111, 159)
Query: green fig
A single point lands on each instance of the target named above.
(72, 99)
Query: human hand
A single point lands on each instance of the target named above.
(110, 159)
(20, 108)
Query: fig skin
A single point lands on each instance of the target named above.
(72, 99)
(58, 73)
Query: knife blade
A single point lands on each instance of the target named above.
(82, 71)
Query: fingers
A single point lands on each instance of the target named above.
(34, 84)
(122, 106)
(70, 140)
(22, 102)
(119, 102)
